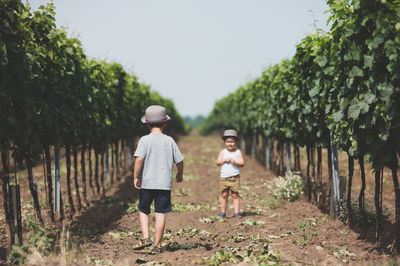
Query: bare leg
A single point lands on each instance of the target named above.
(235, 197)
(224, 200)
(144, 224)
(160, 225)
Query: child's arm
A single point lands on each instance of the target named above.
(136, 171)
(179, 175)
(240, 161)
(220, 159)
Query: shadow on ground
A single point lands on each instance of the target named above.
(105, 212)
(250, 213)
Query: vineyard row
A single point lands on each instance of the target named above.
(340, 90)
(53, 98)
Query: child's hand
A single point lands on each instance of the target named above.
(179, 177)
(136, 183)
(229, 160)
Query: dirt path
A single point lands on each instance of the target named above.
(110, 228)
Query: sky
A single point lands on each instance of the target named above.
(192, 51)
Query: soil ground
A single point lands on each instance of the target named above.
(106, 231)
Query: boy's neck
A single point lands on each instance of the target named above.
(156, 130)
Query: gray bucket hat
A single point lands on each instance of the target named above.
(155, 114)
(229, 133)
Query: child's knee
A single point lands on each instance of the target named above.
(235, 195)
(225, 195)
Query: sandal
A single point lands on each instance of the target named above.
(156, 250)
(221, 215)
(143, 242)
(237, 215)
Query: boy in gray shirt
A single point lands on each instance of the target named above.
(155, 156)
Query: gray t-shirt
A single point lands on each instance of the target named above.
(159, 152)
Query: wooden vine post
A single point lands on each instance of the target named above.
(349, 185)
(397, 199)
(107, 174)
(243, 144)
(5, 175)
(288, 160)
(267, 154)
(57, 189)
(335, 186)
(15, 205)
(378, 206)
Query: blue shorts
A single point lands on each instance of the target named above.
(162, 200)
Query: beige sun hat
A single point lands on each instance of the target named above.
(229, 133)
(155, 114)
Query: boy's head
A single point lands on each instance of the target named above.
(230, 138)
(231, 133)
(156, 125)
(155, 116)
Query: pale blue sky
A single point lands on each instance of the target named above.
(192, 51)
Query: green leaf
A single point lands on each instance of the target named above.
(337, 116)
(352, 54)
(329, 70)
(385, 89)
(69, 50)
(307, 109)
(356, 72)
(313, 92)
(354, 111)
(321, 60)
(369, 97)
(364, 107)
(375, 42)
(368, 61)
(384, 136)
(390, 48)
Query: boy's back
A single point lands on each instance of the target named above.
(152, 174)
(160, 153)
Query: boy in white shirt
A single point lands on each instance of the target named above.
(230, 159)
